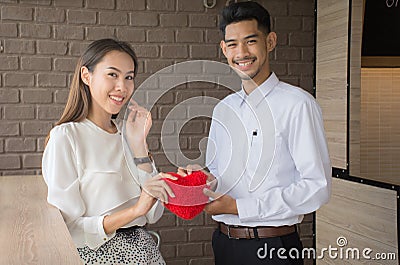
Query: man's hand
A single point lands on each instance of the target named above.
(211, 180)
(222, 204)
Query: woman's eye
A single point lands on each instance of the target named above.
(112, 74)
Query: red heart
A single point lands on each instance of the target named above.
(189, 198)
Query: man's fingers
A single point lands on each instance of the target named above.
(182, 171)
(210, 193)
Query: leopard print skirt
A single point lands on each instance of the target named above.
(132, 246)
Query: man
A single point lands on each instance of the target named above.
(266, 149)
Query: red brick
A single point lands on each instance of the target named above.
(65, 64)
(8, 161)
(39, 31)
(40, 144)
(301, 8)
(36, 128)
(300, 69)
(19, 46)
(9, 95)
(301, 39)
(69, 3)
(184, 5)
(53, 15)
(52, 47)
(77, 48)
(161, 5)
(81, 17)
(288, 24)
(193, 127)
(152, 66)
(131, 34)
(173, 235)
(190, 250)
(287, 54)
(19, 112)
(18, 79)
(16, 13)
(20, 145)
(307, 54)
(67, 32)
(147, 51)
(202, 20)
(36, 96)
(61, 96)
(94, 33)
(50, 112)
(174, 51)
(168, 251)
(189, 35)
(117, 18)
(143, 19)
(8, 62)
(173, 20)
(213, 36)
(31, 160)
(202, 261)
(52, 80)
(204, 51)
(8, 30)
(308, 23)
(160, 35)
(200, 234)
(131, 5)
(100, 4)
(36, 2)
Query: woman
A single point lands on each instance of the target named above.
(85, 169)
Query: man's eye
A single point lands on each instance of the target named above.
(231, 45)
(129, 77)
(252, 41)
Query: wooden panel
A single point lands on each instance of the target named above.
(355, 86)
(32, 231)
(380, 124)
(331, 74)
(366, 216)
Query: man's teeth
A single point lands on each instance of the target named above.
(245, 64)
(116, 98)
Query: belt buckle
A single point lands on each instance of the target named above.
(229, 233)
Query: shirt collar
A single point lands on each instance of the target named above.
(260, 92)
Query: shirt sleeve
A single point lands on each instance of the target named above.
(308, 149)
(60, 172)
(157, 210)
(211, 157)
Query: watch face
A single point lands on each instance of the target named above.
(142, 160)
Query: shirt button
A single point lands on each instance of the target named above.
(104, 239)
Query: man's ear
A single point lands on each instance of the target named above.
(271, 41)
(85, 75)
(222, 44)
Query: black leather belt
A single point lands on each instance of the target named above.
(244, 232)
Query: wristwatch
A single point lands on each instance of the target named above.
(143, 160)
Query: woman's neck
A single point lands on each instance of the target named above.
(102, 121)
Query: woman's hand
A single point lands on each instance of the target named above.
(154, 189)
(138, 125)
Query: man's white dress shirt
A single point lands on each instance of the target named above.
(268, 151)
(88, 178)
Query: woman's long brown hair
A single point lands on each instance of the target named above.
(79, 98)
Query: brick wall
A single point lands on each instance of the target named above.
(40, 41)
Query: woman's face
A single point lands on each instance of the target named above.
(111, 82)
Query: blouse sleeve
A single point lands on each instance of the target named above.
(60, 172)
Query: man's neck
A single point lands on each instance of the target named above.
(251, 84)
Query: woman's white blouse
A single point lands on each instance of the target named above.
(88, 178)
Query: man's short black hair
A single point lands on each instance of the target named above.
(236, 12)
